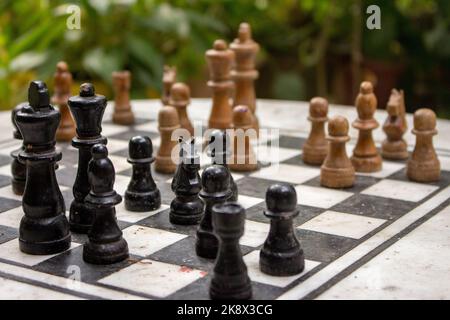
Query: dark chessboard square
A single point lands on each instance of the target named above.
(63, 265)
(288, 142)
(4, 181)
(8, 204)
(161, 221)
(256, 213)
(183, 253)
(297, 160)
(374, 207)
(7, 234)
(253, 187)
(197, 290)
(4, 160)
(127, 135)
(361, 183)
(443, 181)
(323, 247)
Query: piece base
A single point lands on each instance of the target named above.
(230, 292)
(80, 218)
(282, 266)
(148, 201)
(45, 248)
(367, 164)
(206, 245)
(337, 178)
(186, 220)
(314, 156)
(429, 171)
(123, 117)
(104, 254)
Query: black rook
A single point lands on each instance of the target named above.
(44, 228)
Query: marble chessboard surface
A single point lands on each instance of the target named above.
(384, 238)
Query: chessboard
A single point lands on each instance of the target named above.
(339, 230)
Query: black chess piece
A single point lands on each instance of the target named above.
(215, 190)
(18, 169)
(87, 109)
(142, 193)
(281, 254)
(187, 208)
(230, 279)
(44, 228)
(219, 150)
(106, 244)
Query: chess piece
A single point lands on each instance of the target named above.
(18, 169)
(230, 279)
(216, 190)
(315, 148)
(337, 170)
(62, 88)
(394, 147)
(365, 155)
(122, 107)
(219, 60)
(105, 243)
(244, 73)
(44, 228)
(219, 151)
(281, 254)
(180, 97)
(244, 158)
(424, 165)
(169, 78)
(87, 109)
(142, 193)
(187, 208)
(168, 122)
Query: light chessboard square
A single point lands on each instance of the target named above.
(287, 173)
(153, 278)
(320, 197)
(400, 190)
(133, 217)
(11, 218)
(388, 169)
(255, 233)
(342, 224)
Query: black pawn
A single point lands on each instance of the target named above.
(281, 254)
(44, 228)
(219, 151)
(18, 169)
(230, 279)
(87, 109)
(106, 244)
(215, 190)
(187, 208)
(142, 193)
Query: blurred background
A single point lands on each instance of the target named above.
(308, 47)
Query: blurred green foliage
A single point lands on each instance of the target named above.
(302, 42)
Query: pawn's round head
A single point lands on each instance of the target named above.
(62, 67)
(424, 120)
(220, 45)
(168, 117)
(338, 126)
(87, 90)
(281, 197)
(180, 93)
(215, 179)
(140, 147)
(366, 87)
(99, 151)
(318, 107)
(245, 32)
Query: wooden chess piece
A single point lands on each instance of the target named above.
(219, 60)
(88, 109)
(62, 88)
(230, 279)
(169, 78)
(244, 73)
(244, 158)
(281, 254)
(44, 228)
(424, 165)
(337, 170)
(18, 169)
(122, 107)
(365, 155)
(106, 244)
(315, 148)
(142, 194)
(394, 147)
(180, 98)
(168, 122)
